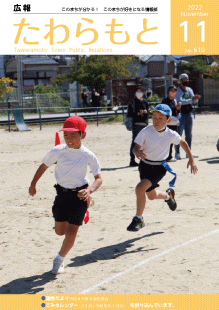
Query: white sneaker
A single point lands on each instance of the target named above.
(172, 159)
(58, 266)
(178, 156)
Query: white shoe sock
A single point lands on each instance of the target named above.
(60, 257)
(168, 197)
(139, 216)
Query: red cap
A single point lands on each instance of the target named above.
(74, 123)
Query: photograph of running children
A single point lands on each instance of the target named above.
(152, 146)
(131, 244)
(72, 200)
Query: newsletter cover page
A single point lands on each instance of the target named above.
(109, 155)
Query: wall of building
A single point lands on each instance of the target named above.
(2, 71)
(156, 68)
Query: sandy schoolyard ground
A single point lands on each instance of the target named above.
(175, 253)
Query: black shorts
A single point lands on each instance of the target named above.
(68, 207)
(153, 173)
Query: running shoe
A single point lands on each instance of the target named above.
(136, 224)
(178, 157)
(173, 159)
(58, 266)
(171, 202)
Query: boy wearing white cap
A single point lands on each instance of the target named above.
(72, 188)
(185, 96)
(152, 147)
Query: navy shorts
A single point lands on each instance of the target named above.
(153, 173)
(68, 207)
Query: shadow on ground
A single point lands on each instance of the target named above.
(111, 252)
(112, 169)
(212, 160)
(35, 284)
(30, 285)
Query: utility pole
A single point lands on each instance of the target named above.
(76, 68)
(165, 73)
(19, 81)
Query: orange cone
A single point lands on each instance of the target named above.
(57, 139)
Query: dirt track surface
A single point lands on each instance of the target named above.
(175, 253)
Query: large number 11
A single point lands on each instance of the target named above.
(202, 24)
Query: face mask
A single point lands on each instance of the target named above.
(139, 95)
(185, 83)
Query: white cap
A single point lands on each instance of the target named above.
(184, 75)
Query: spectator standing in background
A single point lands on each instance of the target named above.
(84, 97)
(149, 92)
(95, 99)
(175, 107)
(138, 110)
(186, 97)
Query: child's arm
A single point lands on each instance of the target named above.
(191, 161)
(40, 171)
(177, 105)
(138, 152)
(84, 194)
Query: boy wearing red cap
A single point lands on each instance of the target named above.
(72, 188)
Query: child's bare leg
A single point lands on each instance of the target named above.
(60, 228)
(156, 194)
(141, 197)
(137, 221)
(70, 235)
(70, 232)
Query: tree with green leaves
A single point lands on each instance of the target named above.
(42, 89)
(93, 71)
(213, 71)
(192, 67)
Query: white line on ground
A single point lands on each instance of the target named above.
(99, 212)
(149, 215)
(15, 188)
(12, 189)
(30, 162)
(146, 261)
(164, 215)
(16, 207)
(157, 215)
(10, 161)
(203, 170)
(19, 207)
(21, 161)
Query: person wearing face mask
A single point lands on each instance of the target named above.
(175, 107)
(138, 110)
(185, 96)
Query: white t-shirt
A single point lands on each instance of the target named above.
(156, 145)
(71, 167)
